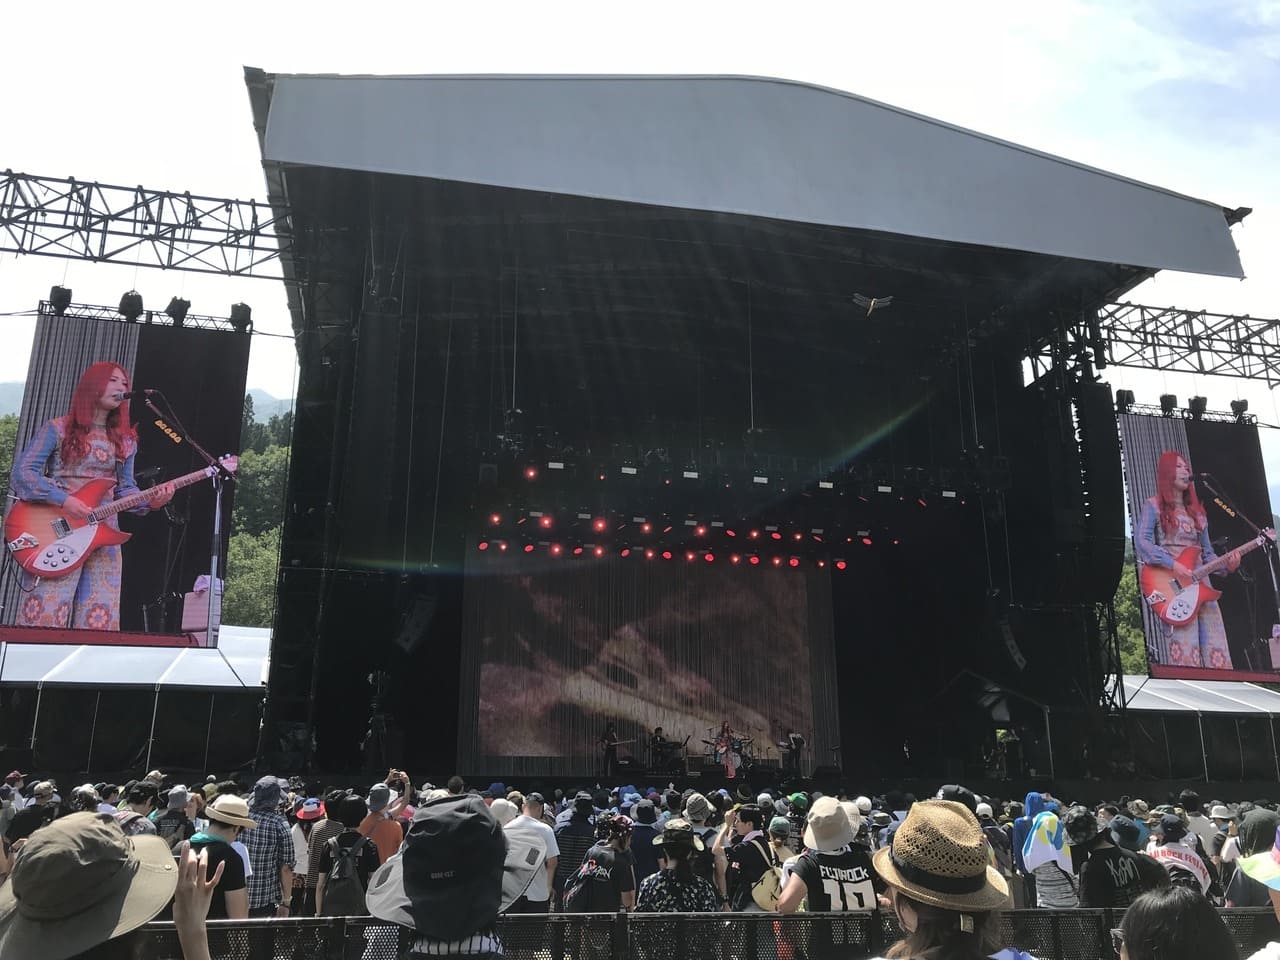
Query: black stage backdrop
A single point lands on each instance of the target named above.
(553, 649)
(202, 374)
(1231, 455)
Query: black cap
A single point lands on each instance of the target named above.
(535, 797)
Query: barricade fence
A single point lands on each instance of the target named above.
(1045, 934)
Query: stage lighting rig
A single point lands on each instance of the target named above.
(241, 317)
(1197, 407)
(1124, 401)
(177, 310)
(130, 306)
(59, 299)
(1168, 404)
(1239, 408)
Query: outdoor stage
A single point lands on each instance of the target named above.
(617, 405)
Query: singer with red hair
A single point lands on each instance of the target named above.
(1171, 521)
(94, 439)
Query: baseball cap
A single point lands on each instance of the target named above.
(535, 798)
(1170, 827)
(983, 810)
(643, 811)
(379, 797)
(780, 827)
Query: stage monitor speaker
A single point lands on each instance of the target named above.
(827, 773)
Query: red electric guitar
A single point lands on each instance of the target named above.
(1176, 602)
(45, 543)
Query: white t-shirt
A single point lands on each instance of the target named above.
(535, 830)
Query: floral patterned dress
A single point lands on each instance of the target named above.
(1202, 642)
(87, 598)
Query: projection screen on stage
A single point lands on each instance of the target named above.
(556, 648)
(1191, 484)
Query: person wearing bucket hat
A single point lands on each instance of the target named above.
(833, 874)
(946, 897)
(228, 818)
(1110, 877)
(81, 883)
(676, 888)
(447, 883)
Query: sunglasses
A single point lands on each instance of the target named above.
(1117, 941)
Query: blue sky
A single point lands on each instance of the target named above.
(1185, 95)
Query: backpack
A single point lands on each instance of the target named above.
(343, 889)
(588, 890)
(704, 860)
(766, 890)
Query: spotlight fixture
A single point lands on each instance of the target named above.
(1124, 401)
(241, 317)
(130, 306)
(177, 310)
(1239, 408)
(1168, 404)
(59, 299)
(1197, 407)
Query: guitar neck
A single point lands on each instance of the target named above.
(138, 499)
(1215, 565)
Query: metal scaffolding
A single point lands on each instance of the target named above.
(73, 219)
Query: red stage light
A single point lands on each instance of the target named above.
(822, 563)
(544, 521)
(730, 533)
(799, 536)
(602, 476)
(528, 548)
(777, 561)
(531, 473)
(700, 531)
(667, 529)
(921, 501)
(648, 554)
(502, 547)
(556, 549)
(776, 535)
(753, 560)
(709, 557)
(841, 564)
(577, 551)
(689, 555)
(895, 543)
(646, 528)
(866, 541)
(755, 534)
(495, 518)
(666, 554)
(599, 551)
(483, 545)
(600, 525)
(626, 552)
(794, 561)
(735, 559)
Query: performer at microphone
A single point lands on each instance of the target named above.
(1171, 521)
(608, 743)
(93, 440)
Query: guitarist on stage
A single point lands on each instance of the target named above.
(1171, 521)
(95, 439)
(609, 746)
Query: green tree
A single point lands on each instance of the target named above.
(249, 597)
(253, 435)
(260, 482)
(280, 429)
(8, 440)
(1133, 644)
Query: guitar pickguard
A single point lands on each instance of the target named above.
(63, 552)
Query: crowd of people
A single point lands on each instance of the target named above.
(80, 875)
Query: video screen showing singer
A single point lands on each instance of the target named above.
(94, 444)
(1172, 543)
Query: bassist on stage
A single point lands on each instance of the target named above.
(94, 440)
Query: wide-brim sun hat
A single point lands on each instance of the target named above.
(828, 828)
(79, 882)
(230, 809)
(938, 856)
(679, 831)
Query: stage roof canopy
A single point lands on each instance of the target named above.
(239, 662)
(1148, 694)
(739, 145)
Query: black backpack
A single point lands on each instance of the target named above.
(588, 890)
(343, 889)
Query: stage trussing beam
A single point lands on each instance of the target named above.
(1170, 339)
(73, 219)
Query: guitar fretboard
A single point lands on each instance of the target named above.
(138, 499)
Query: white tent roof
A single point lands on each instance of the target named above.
(1197, 696)
(240, 661)
(748, 145)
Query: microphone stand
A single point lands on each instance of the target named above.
(1268, 544)
(219, 478)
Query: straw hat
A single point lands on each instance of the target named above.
(939, 857)
(79, 882)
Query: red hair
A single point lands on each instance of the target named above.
(79, 419)
(1168, 498)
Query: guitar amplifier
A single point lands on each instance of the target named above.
(195, 614)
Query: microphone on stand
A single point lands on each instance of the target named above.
(134, 395)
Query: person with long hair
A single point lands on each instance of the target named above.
(946, 896)
(1173, 924)
(94, 439)
(1171, 521)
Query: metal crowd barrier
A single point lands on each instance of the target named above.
(1045, 934)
